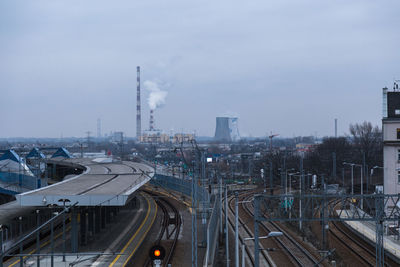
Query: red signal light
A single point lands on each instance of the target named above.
(157, 253)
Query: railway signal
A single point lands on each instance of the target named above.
(157, 254)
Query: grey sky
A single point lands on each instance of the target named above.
(289, 67)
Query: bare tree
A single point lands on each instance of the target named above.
(367, 140)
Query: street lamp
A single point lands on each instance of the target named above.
(237, 227)
(352, 176)
(373, 168)
(352, 183)
(372, 172)
(270, 234)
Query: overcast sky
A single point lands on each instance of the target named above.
(290, 67)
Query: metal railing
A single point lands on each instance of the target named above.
(179, 185)
(184, 186)
(212, 232)
(18, 181)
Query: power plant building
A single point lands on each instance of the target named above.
(158, 137)
(227, 129)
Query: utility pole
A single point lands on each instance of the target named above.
(334, 165)
(1, 246)
(236, 230)
(256, 219)
(52, 241)
(270, 163)
(38, 238)
(362, 192)
(323, 213)
(301, 193)
(271, 182)
(88, 138)
(98, 128)
(204, 202)
(379, 249)
(226, 226)
(263, 179)
(21, 258)
(194, 218)
(352, 179)
(335, 128)
(220, 203)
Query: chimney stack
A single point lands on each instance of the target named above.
(151, 125)
(138, 115)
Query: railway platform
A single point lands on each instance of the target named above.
(366, 229)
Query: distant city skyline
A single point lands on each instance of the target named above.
(287, 67)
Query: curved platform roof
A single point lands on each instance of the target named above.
(101, 184)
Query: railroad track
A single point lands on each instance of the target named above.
(166, 206)
(362, 250)
(249, 253)
(298, 254)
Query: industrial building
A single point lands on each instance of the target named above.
(161, 138)
(226, 129)
(391, 140)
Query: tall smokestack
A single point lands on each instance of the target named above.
(151, 125)
(138, 115)
(335, 128)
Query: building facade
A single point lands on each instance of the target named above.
(391, 141)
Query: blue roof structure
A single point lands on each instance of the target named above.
(62, 152)
(11, 155)
(35, 153)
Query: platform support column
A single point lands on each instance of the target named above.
(21, 258)
(97, 220)
(108, 214)
(38, 238)
(83, 227)
(74, 230)
(103, 217)
(91, 221)
(1, 247)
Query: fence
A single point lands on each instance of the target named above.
(179, 185)
(185, 187)
(16, 181)
(213, 232)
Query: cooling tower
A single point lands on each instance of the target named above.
(227, 129)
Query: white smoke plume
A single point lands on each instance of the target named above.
(157, 96)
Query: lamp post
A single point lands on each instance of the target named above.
(372, 172)
(263, 178)
(352, 180)
(270, 234)
(236, 230)
(352, 176)
(63, 200)
(237, 227)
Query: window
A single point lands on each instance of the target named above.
(398, 133)
(398, 177)
(398, 154)
(397, 111)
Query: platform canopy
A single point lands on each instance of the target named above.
(101, 184)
